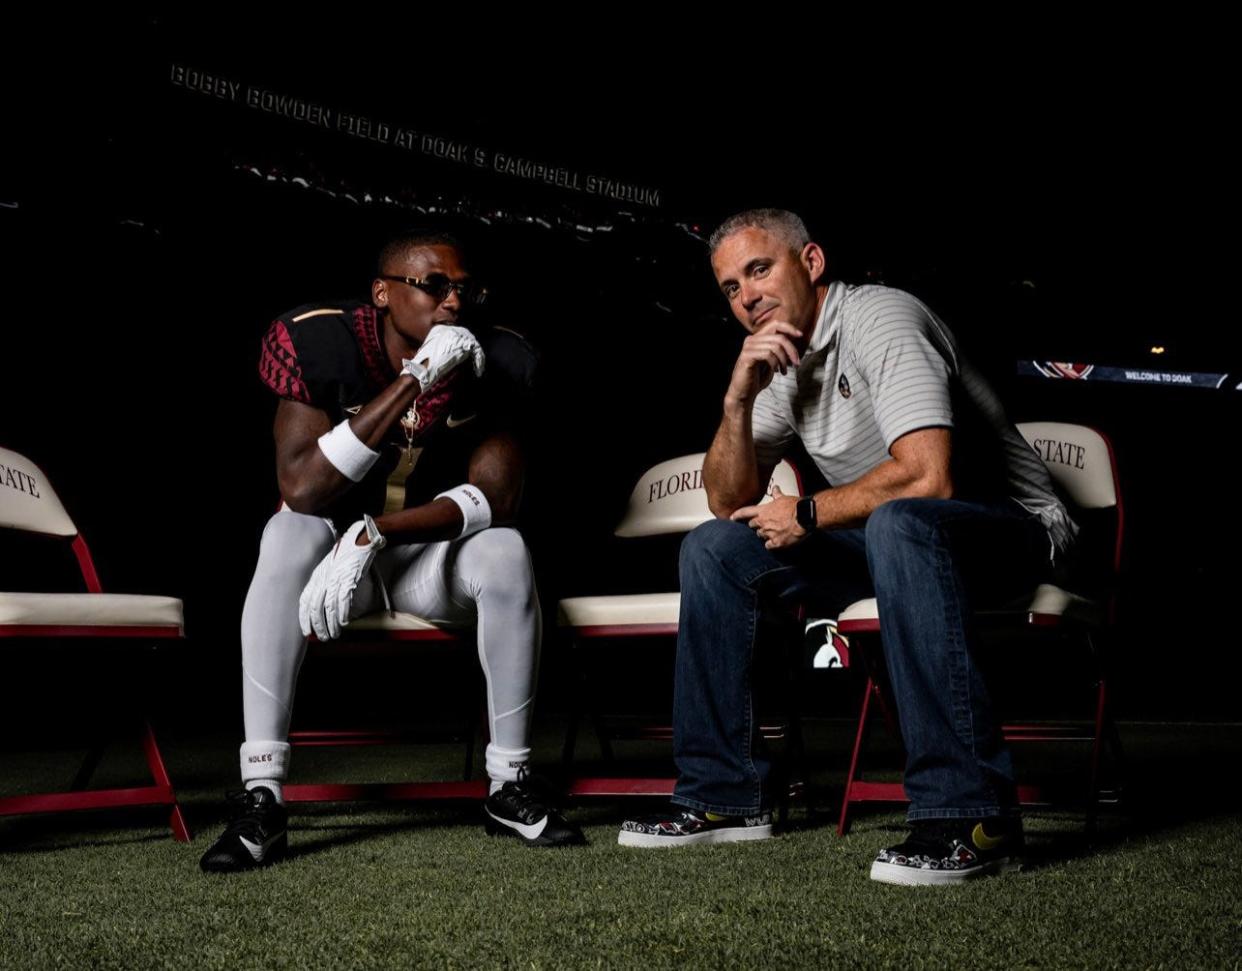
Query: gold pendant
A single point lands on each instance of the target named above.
(410, 422)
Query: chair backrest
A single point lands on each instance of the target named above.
(1083, 466)
(27, 500)
(670, 497)
(1079, 459)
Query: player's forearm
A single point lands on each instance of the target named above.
(730, 471)
(432, 522)
(309, 481)
(371, 424)
(495, 478)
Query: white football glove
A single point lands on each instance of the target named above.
(446, 347)
(325, 603)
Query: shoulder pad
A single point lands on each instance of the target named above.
(510, 354)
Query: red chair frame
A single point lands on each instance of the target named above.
(160, 793)
(383, 643)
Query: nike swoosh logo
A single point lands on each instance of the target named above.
(530, 832)
(258, 849)
(454, 422)
(983, 840)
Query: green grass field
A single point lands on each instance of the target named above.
(425, 887)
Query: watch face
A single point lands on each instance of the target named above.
(805, 512)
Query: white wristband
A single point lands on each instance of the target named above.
(474, 507)
(343, 449)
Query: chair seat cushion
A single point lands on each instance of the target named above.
(628, 609)
(383, 620)
(1047, 600)
(1055, 602)
(89, 610)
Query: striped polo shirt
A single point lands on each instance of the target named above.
(880, 364)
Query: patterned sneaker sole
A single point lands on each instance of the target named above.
(728, 834)
(909, 876)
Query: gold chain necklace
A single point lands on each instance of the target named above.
(395, 497)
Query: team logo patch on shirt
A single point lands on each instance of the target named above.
(844, 387)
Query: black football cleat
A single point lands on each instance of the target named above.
(256, 835)
(523, 809)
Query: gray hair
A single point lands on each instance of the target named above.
(781, 223)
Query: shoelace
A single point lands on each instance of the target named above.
(680, 818)
(532, 792)
(245, 815)
(933, 834)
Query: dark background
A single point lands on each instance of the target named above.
(1048, 205)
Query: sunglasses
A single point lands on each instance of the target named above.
(438, 287)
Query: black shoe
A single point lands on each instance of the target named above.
(951, 850)
(524, 809)
(681, 827)
(255, 837)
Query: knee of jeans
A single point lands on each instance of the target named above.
(713, 545)
(897, 523)
(294, 541)
(496, 561)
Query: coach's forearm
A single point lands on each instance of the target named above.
(918, 469)
(849, 505)
(730, 470)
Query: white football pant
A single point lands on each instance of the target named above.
(484, 580)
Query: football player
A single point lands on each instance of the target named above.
(368, 391)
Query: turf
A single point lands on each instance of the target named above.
(423, 887)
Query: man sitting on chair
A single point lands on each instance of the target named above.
(937, 504)
(367, 390)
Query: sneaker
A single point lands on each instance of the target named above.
(256, 835)
(523, 809)
(681, 827)
(950, 851)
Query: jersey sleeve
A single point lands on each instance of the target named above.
(311, 355)
(771, 432)
(279, 367)
(897, 351)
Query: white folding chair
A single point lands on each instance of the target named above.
(668, 498)
(1082, 464)
(29, 504)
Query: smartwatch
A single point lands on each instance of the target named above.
(805, 513)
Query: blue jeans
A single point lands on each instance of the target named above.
(929, 563)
